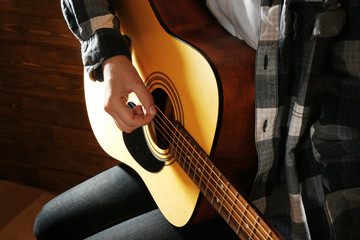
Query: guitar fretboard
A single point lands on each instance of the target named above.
(231, 205)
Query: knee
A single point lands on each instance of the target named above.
(39, 225)
(45, 226)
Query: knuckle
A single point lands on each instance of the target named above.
(109, 104)
(107, 108)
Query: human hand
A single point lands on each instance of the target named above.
(121, 79)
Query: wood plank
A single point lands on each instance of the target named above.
(42, 8)
(33, 81)
(48, 135)
(43, 109)
(44, 178)
(67, 160)
(42, 59)
(37, 30)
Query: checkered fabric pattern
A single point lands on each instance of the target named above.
(98, 30)
(308, 118)
(307, 96)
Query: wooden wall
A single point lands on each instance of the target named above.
(45, 136)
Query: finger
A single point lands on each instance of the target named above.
(146, 100)
(138, 110)
(128, 120)
(139, 117)
(120, 113)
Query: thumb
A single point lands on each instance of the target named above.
(146, 99)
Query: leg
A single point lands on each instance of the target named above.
(153, 226)
(100, 202)
(115, 205)
(150, 225)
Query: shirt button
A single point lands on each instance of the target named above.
(266, 60)
(265, 125)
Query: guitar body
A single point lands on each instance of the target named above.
(202, 78)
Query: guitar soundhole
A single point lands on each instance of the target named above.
(161, 127)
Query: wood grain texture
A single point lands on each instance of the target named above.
(45, 136)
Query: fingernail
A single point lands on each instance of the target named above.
(152, 110)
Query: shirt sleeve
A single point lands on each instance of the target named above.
(97, 28)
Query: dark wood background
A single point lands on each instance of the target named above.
(45, 136)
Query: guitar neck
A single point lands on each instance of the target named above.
(229, 203)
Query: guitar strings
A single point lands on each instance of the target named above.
(234, 205)
(223, 197)
(195, 172)
(194, 150)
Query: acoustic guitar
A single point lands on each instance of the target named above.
(203, 135)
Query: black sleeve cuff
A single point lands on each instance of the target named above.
(104, 44)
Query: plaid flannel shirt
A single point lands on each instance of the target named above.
(307, 96)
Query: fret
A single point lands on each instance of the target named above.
(183, 150)
(193, 155)
(268, 235)
(175, 148)
(242, 218)
(182, 153)
(232, 207)
(252, 233)
(197, 168)
(202, 184)
(191, 170)
(207, 182)
(205, 171)
(224, 195)
(188, 157)
(217, 183)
